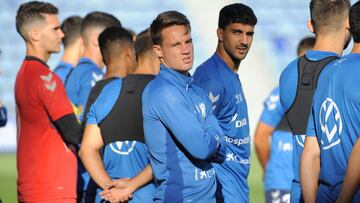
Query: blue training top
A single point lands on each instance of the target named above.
(224, 89)
(122, 159)
(279, 172)
(288, 88)
(335, 118)
(62, 70)
(182, 136)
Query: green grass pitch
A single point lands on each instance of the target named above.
(8, 179)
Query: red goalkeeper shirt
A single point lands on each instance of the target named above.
(47, 167)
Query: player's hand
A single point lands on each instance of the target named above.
(118, 191)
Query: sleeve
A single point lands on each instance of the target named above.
(288, 85)
(53, 96)
(273, 112)
(104, 103)
(212, 126)
(310, 130)
(3, 116)
(178, 116)
(87, 84)
(215, 92)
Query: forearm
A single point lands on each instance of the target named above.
(352, 176)
(93, 164)
(309, 175)
(262, 146)
(141, 179)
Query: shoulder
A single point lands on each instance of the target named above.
(206, 70)
(158, 91)
(291, 70)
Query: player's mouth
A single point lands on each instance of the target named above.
(187, 60)
(242, 49)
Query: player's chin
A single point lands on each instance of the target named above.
(187, 66)
(241, 56)
(56, 50)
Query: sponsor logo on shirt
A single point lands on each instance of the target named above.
(49, 83)
(285, 146)
(200, 174)
(239, 141)
(213, 99)
(95, 78)
(238, 123)
(123, 148)
(271, 102)
(202, 110)
(330, 123)
(236, 158)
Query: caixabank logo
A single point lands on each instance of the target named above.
(330, 123)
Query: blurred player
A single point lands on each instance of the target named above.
(276, 161)
(328, 22)
(181, 133)
(47, 167)
(73, 46)
(84, 77)
(218, 77)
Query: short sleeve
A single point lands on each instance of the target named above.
(53, 96)
(273, 112)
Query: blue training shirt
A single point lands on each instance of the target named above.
(81, 80)
(62, 70)
(278, 173)
(335, 118)
(288, 88)
(78, 87)
(122, 159)
(224, 89)
(182, 136)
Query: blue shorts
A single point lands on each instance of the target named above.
(281, 196)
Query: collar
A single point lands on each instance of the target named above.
(223, 66)
(88, 61)
(318, 55)
(33, 58)
(176, 77)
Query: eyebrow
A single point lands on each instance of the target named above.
(240, 30)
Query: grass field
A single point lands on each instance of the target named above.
(8, 179)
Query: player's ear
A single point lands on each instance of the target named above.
(220, 34)
(33, 35)
(347, 23)
(158, 50)
(94, 40)
(310, 25)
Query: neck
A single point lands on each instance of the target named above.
(116, 68)
(147, 64)
(356, 48)
(71, 55)
(94, 55)
(32, 50)
(330, 43)
(232, 63)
